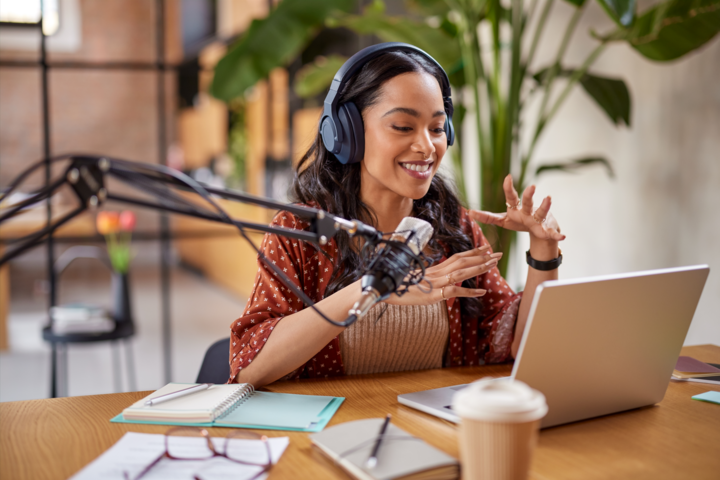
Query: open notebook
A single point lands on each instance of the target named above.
(237, 406)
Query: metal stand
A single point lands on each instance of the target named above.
(165, 244)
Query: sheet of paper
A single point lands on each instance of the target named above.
(712, 397)
(135, 451)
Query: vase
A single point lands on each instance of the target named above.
(122, 311)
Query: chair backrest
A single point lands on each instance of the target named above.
(215, 367)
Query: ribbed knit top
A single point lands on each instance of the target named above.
(405, 337)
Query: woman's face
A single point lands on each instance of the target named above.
(404, 136)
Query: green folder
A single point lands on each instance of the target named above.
(267, 411)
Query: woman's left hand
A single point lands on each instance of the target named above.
(520, 215)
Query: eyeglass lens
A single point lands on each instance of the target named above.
(188, 444)
(246, 448)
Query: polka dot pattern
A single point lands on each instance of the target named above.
(473, 341)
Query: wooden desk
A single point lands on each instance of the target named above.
(679, 438)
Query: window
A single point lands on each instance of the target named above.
(27, 12)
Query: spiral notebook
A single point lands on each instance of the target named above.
(238, 406)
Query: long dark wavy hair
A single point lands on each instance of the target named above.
(322, 180)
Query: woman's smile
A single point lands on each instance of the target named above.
(419, 170)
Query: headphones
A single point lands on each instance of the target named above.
(341, 126)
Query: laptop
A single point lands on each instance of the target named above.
(596, 346)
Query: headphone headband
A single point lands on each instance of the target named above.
(333, 136)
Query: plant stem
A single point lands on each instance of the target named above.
(515, 84)
(574, 78)
(555, 67)
(471, 69)
(548, 81)
(531, 10)
(538, 32)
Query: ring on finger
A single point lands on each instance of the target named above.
(442, 293)
(516, 206)
(450, 281)
(535, 217)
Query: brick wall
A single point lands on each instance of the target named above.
(109, 112)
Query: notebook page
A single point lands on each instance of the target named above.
(202, 401)
(277, 410)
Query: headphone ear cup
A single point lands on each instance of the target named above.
(449, 130)
(327, 132)
(352, 148)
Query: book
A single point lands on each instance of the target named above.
(76, 312)
(80, 318)
(708, 380)
(236, 406)
(688, 367)
(400, 456)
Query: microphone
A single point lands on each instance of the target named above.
(392, 263)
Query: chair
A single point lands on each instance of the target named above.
(124, 330)
(215, 367)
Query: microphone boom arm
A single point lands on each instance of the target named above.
(86, 176)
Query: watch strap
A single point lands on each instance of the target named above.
(544, 266)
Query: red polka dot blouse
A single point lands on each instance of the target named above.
(473, 341)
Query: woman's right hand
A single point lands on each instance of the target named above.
(446, 278)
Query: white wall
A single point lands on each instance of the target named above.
(663, 208)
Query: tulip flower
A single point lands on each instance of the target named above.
(127, 221)
(117, 229)
(107, 222)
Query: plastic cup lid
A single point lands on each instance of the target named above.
(500, 401)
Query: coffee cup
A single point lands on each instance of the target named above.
(500, 421)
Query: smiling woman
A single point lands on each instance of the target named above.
(397, 110)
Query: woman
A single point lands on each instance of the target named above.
(469, 317)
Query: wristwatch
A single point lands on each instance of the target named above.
(544, 266)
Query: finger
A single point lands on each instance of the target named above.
(551, 222)
(458, 263)
(511, 195)
(460, 276)
(542, 212)
(556, 235)
(552, 229)
(480, 251)
(451, 292)
(488, 218)
(527, 200)
(474, 252)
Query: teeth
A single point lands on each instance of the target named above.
(416, 168)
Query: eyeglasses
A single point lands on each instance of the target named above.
(193, 443)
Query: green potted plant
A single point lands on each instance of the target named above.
(117, 228)
(499, 84)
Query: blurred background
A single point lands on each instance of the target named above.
(613, 111)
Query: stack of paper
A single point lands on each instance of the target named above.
(688, 367)
(80, 318)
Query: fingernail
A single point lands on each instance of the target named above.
(496, 254)
(494, 261)
(484, 247)
(480, 291)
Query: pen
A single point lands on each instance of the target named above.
(179, 393)
(372, 461)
